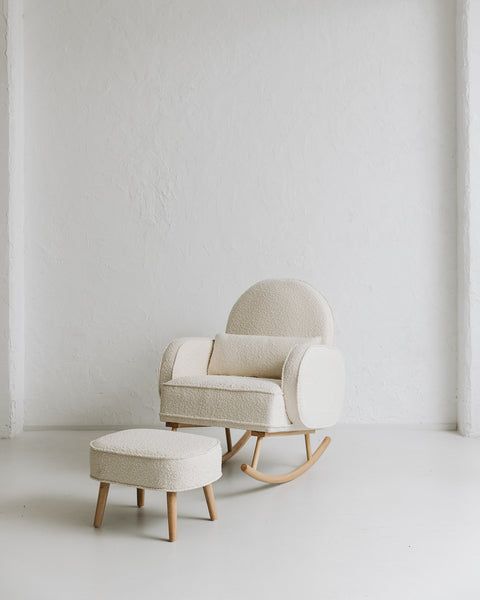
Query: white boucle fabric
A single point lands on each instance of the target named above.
(156, 459)
(241, 402)
(313, 383)
(286, 307)
(311, 392)
(252, 355)
(186, 356)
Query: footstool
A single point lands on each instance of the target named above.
(158, 460)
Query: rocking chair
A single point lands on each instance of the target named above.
(274, 372)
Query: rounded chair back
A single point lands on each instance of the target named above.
(283, 307)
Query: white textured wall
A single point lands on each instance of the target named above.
(177, 152)
(11, 219)
(468, 104)
(4, 263)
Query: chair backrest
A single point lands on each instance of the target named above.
(282, 307)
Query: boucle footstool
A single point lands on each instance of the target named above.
(159, 460)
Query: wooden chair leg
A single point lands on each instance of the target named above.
(101, 502)
(210, 498)
(256, 452)
(308, 447)
(140, 497)
(228, 435)
(172, 515)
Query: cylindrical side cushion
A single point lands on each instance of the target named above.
(156, 459)
(313, 384)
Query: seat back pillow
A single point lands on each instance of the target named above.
(252, 355)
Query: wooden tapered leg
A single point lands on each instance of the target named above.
(228, 435)
(210, 498)
(256, 452)
(172, 515)
(308, 447)
(101, 502)
(140, 497)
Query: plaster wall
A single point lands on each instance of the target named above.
(11, 219)
(468, 103)
(4, 303)
(177, 152)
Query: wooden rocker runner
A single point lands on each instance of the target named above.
(261, 435)
(275, 372)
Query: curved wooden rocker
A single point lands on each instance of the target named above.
(231, 450)
(252, 471)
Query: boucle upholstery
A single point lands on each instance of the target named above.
(310, 393)
(286, 307)
(186, 356)
(156, 459)
(313, 383)
(224, 401)
(252, 355)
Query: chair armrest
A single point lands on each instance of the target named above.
(186, 356)
(313, 384)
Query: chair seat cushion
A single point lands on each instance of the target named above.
(157, 459)
(243, 402)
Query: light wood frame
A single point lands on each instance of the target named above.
(171, 506)
(251, 469)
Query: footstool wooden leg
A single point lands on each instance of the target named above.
(101, 502)
(140, 497)
(210, 498)
(172, 515)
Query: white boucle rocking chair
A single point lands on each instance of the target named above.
(274, 372)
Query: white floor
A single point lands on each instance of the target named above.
(386, 514)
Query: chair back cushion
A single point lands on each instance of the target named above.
(282, 307)
(252, 355)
